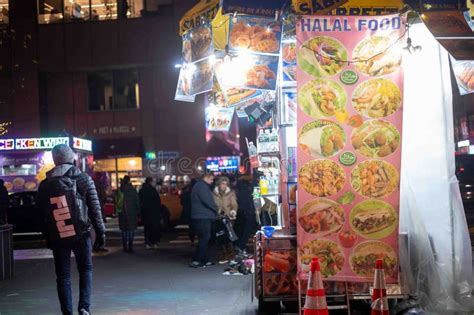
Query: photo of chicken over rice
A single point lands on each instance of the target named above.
(322, 178)
(330, 254)
(376, 98)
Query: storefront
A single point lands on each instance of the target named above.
(24, 162)
(335, 130)
(118, 158)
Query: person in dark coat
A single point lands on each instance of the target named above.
(247, 210)
(63, 158)
(151, 213)
(128, 214)
(3, 202)
(186, 205)
(203, 215)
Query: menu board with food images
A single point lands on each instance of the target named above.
(218, 118)
(464, 72)
(350, 85)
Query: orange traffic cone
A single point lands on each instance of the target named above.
(315, 296)
(379, 295)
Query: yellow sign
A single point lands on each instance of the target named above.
(204, 11)
(347, 7)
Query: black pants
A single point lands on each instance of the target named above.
(62, 262)
(152, 232)
(249, 228)
(202, 228)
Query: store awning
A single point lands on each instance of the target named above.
(115, 148)
(204, 11)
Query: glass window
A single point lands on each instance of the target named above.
(135, 8)
(76, 10)
(18, 170)
(50, 11)
(113, 90)
(4, 9)
(103, 9)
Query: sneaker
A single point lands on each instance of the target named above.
(148, 246)
(223, 261)
(209, 263)
(197, 264)
(83, 312)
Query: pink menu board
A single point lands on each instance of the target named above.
(350, 96)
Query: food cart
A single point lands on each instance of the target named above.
(25, 161)
(342, 129)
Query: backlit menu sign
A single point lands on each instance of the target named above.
(81, 144)
(39, 143)
(7, 144)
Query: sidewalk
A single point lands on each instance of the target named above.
(147, 282)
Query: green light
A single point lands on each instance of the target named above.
(150, 155)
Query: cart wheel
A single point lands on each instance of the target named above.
(266, 307)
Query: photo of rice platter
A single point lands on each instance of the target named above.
(321, 138)
(330, 254)
(376, 98)
(374, 178)
(321, 178)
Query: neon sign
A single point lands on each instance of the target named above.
(81, 144)
(7, 144)
(39, 143)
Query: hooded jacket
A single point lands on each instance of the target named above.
(203, 205)
(86, 188)
(226, 201)
(131, 207)
(150, 202)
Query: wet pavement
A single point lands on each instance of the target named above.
(147, 282)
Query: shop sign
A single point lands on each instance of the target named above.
(7, 144)
(39, 143)
(81, 144)
(114, 130)
(347, 7)
(252, 7)
(349, 153)
(203, 12)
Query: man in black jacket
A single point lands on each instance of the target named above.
(151, 214)
(63, 158)
(203, 215)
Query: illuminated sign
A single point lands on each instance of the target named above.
(150, 155)
(7, 144)
(39, 143)
(81, 144)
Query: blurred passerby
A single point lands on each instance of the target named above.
(186, 204)
(67, 223)
(226, 202)
(151, 213)
(3, 202)
(128, 214)
(247, 211)
(102, 195)
(203, 215)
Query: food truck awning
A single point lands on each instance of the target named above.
(114, 148)
(205, 10)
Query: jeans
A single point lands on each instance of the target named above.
(62, 262)
(202, 228)
(127, 239)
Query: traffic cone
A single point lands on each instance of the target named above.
(315, 297)
(379, 294)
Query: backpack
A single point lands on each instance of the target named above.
(66, 214)
(119, 201)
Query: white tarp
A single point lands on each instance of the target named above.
(436, 258)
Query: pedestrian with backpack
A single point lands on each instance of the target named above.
(128, 213)
(69, 205)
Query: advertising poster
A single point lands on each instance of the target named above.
(197, 44)
(255, 35)
(464, 72)
(289, 107)
(218, 118)
(350, 96)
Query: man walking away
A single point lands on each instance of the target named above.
(247, 209)
(68, 204)
(151, 213)
(187, 206)
(102, 195)
(4, 202)
(128, 214)
(203, 215)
